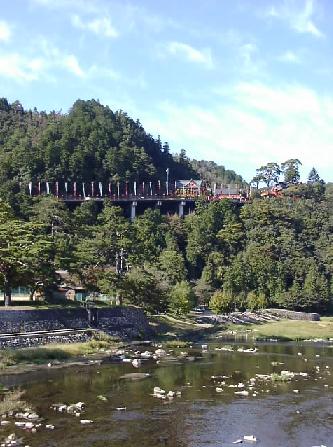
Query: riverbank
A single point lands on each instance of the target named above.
(170, 332)
(289, 330)
(56, 355)
(170, 328)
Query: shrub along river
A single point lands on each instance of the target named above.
(280, 395)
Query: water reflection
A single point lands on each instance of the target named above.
(277, 416)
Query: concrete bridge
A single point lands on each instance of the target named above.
(137, 205)
(178, 197)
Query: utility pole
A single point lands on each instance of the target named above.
(167, 181)
(122, 267)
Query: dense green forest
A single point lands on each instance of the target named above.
(268, 252)
(89, 143)
(275, 251)
(215, 173)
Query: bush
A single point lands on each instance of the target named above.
(177, 344)
(12, 401)
(256, 301)
(222, 302)
(182, 298)
(39, 355)
(240, 302)
(6, 358)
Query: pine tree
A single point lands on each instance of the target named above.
(313, 177)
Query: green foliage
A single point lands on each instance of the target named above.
(268, 174)
(25, 254)
(172, 264)
(256, 301)
(13, 402)
(149, 235)
(98, 245)
(214, 173)
(141, 289)
(203, 228)
(313, 177)
(182, 298)
(290, 169)
(222, 302)
(203, 291)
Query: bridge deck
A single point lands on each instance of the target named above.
(129, 199)
(149, 199)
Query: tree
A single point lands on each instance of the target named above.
(85, 214)
(222, 302)
(141, 289)
(315, 289)
(290, 169)
(51, 213)
(256, 180)
(313, 177)
(214, 269)
(24, 253)
(231, 236)
(214, 173)
(182, 298)
(149, 236)
(256, 301)
(203, 291)
(269, 173)
(202, 230)
(97, 247)
(172, 264)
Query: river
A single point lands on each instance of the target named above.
(293, 413)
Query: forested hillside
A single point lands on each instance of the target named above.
(214, 173)
(91, 142)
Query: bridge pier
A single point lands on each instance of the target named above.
(133, 209)
(182, 203)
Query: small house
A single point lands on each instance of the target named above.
(189, 188)
(69, 287)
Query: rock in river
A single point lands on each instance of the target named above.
(135, 376)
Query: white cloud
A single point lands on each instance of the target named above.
(86, 6)
(5, 31)
(41, 65)
(20, 68)
(253, 124)
(290, 57)
(247, 54)
(96, 71)
(298, 15)
(72, 64)
(56, 58)
(100, 26)
(191, 54)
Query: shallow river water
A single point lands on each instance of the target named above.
(297, 413)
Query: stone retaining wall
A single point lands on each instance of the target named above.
(14, 342)
(293, 315)
(121, 321)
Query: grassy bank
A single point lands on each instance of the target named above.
(170, 328)
(54, 352)
(289, 329)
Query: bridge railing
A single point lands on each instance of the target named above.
(81, 191)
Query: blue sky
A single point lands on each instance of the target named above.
(240, 82)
